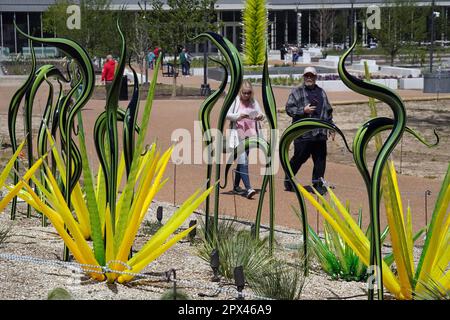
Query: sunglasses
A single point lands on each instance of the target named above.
(246, 92)
(309, 75)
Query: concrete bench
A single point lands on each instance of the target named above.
(338, 85)
(371, 64)
(329, 61)
(391, 83)
(411, 83)
(274, 55)
(305, 58)
(332, 85)
(400, 72)
(314, 52)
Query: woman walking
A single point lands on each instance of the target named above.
(245, 116)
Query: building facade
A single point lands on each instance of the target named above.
(298, 22)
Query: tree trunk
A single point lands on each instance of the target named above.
(174, 83)
(142, 68)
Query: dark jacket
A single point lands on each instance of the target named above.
(295, 105)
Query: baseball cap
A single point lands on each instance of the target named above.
(310, 70)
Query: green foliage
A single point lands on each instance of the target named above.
(183, 20)
(403, 27)
(290, 81)
(198, 62)
(432, 290)
(279, 280)
(236, 248)
(254, 18)
(173, 28)
(59, 294)
(258, 69)
(97, 20)
(336, 258)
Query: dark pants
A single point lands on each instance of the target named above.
(303, 149)
(108, 85)
(185, 68)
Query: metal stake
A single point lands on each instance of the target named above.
(174, 182)
(427, 193)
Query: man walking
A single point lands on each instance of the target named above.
(108, 72)
(310, 101)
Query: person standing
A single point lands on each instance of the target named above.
(310, 101)
(183, 61)
(244, 116)
(156, 52)
(188, 62)
(283, 52)
(294, 55)
(108, 72)
(151, 58)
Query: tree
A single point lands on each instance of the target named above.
(340, 27)
(254, 18)
(324, 23)
(98, 33)
(403, 27)
(172, 28)
(138, 34)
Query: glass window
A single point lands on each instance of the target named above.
(238, 43)
(227, 16)
(21, 21)
(35, 24)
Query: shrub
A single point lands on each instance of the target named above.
(279, 280)
(336, 257)
(236, 248)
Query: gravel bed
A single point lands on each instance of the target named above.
(33, 280)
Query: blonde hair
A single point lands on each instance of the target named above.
(247, 85)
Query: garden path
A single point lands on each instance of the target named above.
(168, 115)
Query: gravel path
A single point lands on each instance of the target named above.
(33, 279)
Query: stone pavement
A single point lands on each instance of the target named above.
(184, 179)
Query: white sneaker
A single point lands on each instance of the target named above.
(250, 193)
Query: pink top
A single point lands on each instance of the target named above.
(246, 127)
